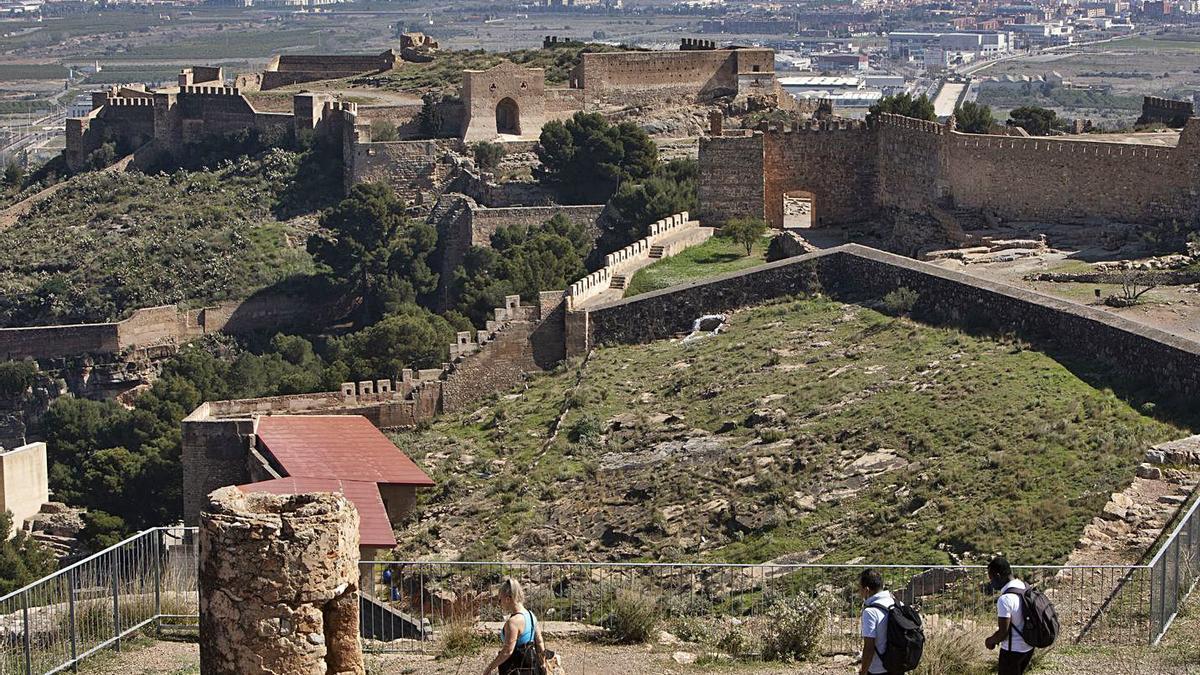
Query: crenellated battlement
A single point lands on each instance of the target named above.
(1035, 144)
(911, 123)
(209, 90)
(1167, 103)
(832, 124)
(123, 101)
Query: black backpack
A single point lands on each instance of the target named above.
(1041, 621)
(905, 638)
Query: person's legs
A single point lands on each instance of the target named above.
(1014, 663)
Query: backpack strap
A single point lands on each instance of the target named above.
(886, 613)
(1020, 593)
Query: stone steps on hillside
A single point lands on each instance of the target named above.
(656, 252)
(618, 282)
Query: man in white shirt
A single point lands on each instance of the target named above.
(1015, 653)
(874, 621)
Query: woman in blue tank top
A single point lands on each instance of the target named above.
(522, 651)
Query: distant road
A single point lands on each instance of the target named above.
(977, 67)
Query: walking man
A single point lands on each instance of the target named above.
(874, 621)
(1015, 653)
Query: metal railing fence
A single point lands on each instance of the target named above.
(1107, 604)
(56, 622)
(1174, 571)
(150, 580)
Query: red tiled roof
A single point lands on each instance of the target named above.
(344, 447)
(374, 528)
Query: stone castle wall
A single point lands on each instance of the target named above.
(731, 181)
(168, 324)
(1169, 112)
(854, 171)
(633, 78)
(289, 69)
(1138, 353)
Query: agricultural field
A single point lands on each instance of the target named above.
(810, 430)
(1160, 65)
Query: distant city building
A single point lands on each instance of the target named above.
(843, 91)
(913, 45)
(1043, 34)
(854, 62)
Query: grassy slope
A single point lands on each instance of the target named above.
(1008, 450)
(715, 256)
(110, 243)
(445, 71)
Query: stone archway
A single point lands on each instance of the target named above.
(799, 209)
(508, 117)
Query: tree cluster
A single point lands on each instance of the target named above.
(904, 104)
(585, 158)
(1035, 120)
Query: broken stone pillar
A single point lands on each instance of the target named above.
(279, 584)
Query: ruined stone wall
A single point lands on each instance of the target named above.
(498, 367)
(169, 324)
(633, 78)
(1135, 352)
(203, 111)
(730, 182)
(278, 584)
(1169, 112)
(49, 342)
(833, 160)
(416, 170)
(127, 122)
(215, 453)
(485, 221)
(564, 102)
(485, 93)
(289, 69)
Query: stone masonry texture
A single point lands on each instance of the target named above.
(854, 171)
(279, 585)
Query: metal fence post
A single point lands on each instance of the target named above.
(71, 617)
(27, 643)
(158, 552)
(116, 606)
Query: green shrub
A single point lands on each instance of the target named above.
(459, 639)
(633, 620)
(487, 155)
(739, 640)
(586, 428)
(793, 628)
(954, 651)
(383, 130)
(16, 377)
(901, 301)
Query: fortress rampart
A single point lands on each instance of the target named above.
(854, 170)
(1137, 353)
(288, 69)
(630, 78)
(169, 325)
(170, 120)
(1166, 111)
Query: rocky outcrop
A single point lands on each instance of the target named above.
(279, 584)
(788, 244)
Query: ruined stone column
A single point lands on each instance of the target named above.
(279, 585)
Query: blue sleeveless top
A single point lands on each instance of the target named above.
(526, 635)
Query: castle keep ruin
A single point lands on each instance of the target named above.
(855, 172)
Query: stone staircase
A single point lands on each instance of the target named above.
(618, 281)
(657, 251)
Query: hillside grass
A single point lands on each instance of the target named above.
(444, 73)
(112, 242)
(715, 256)
(661, 458)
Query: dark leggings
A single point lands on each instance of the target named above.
(1014, 663)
